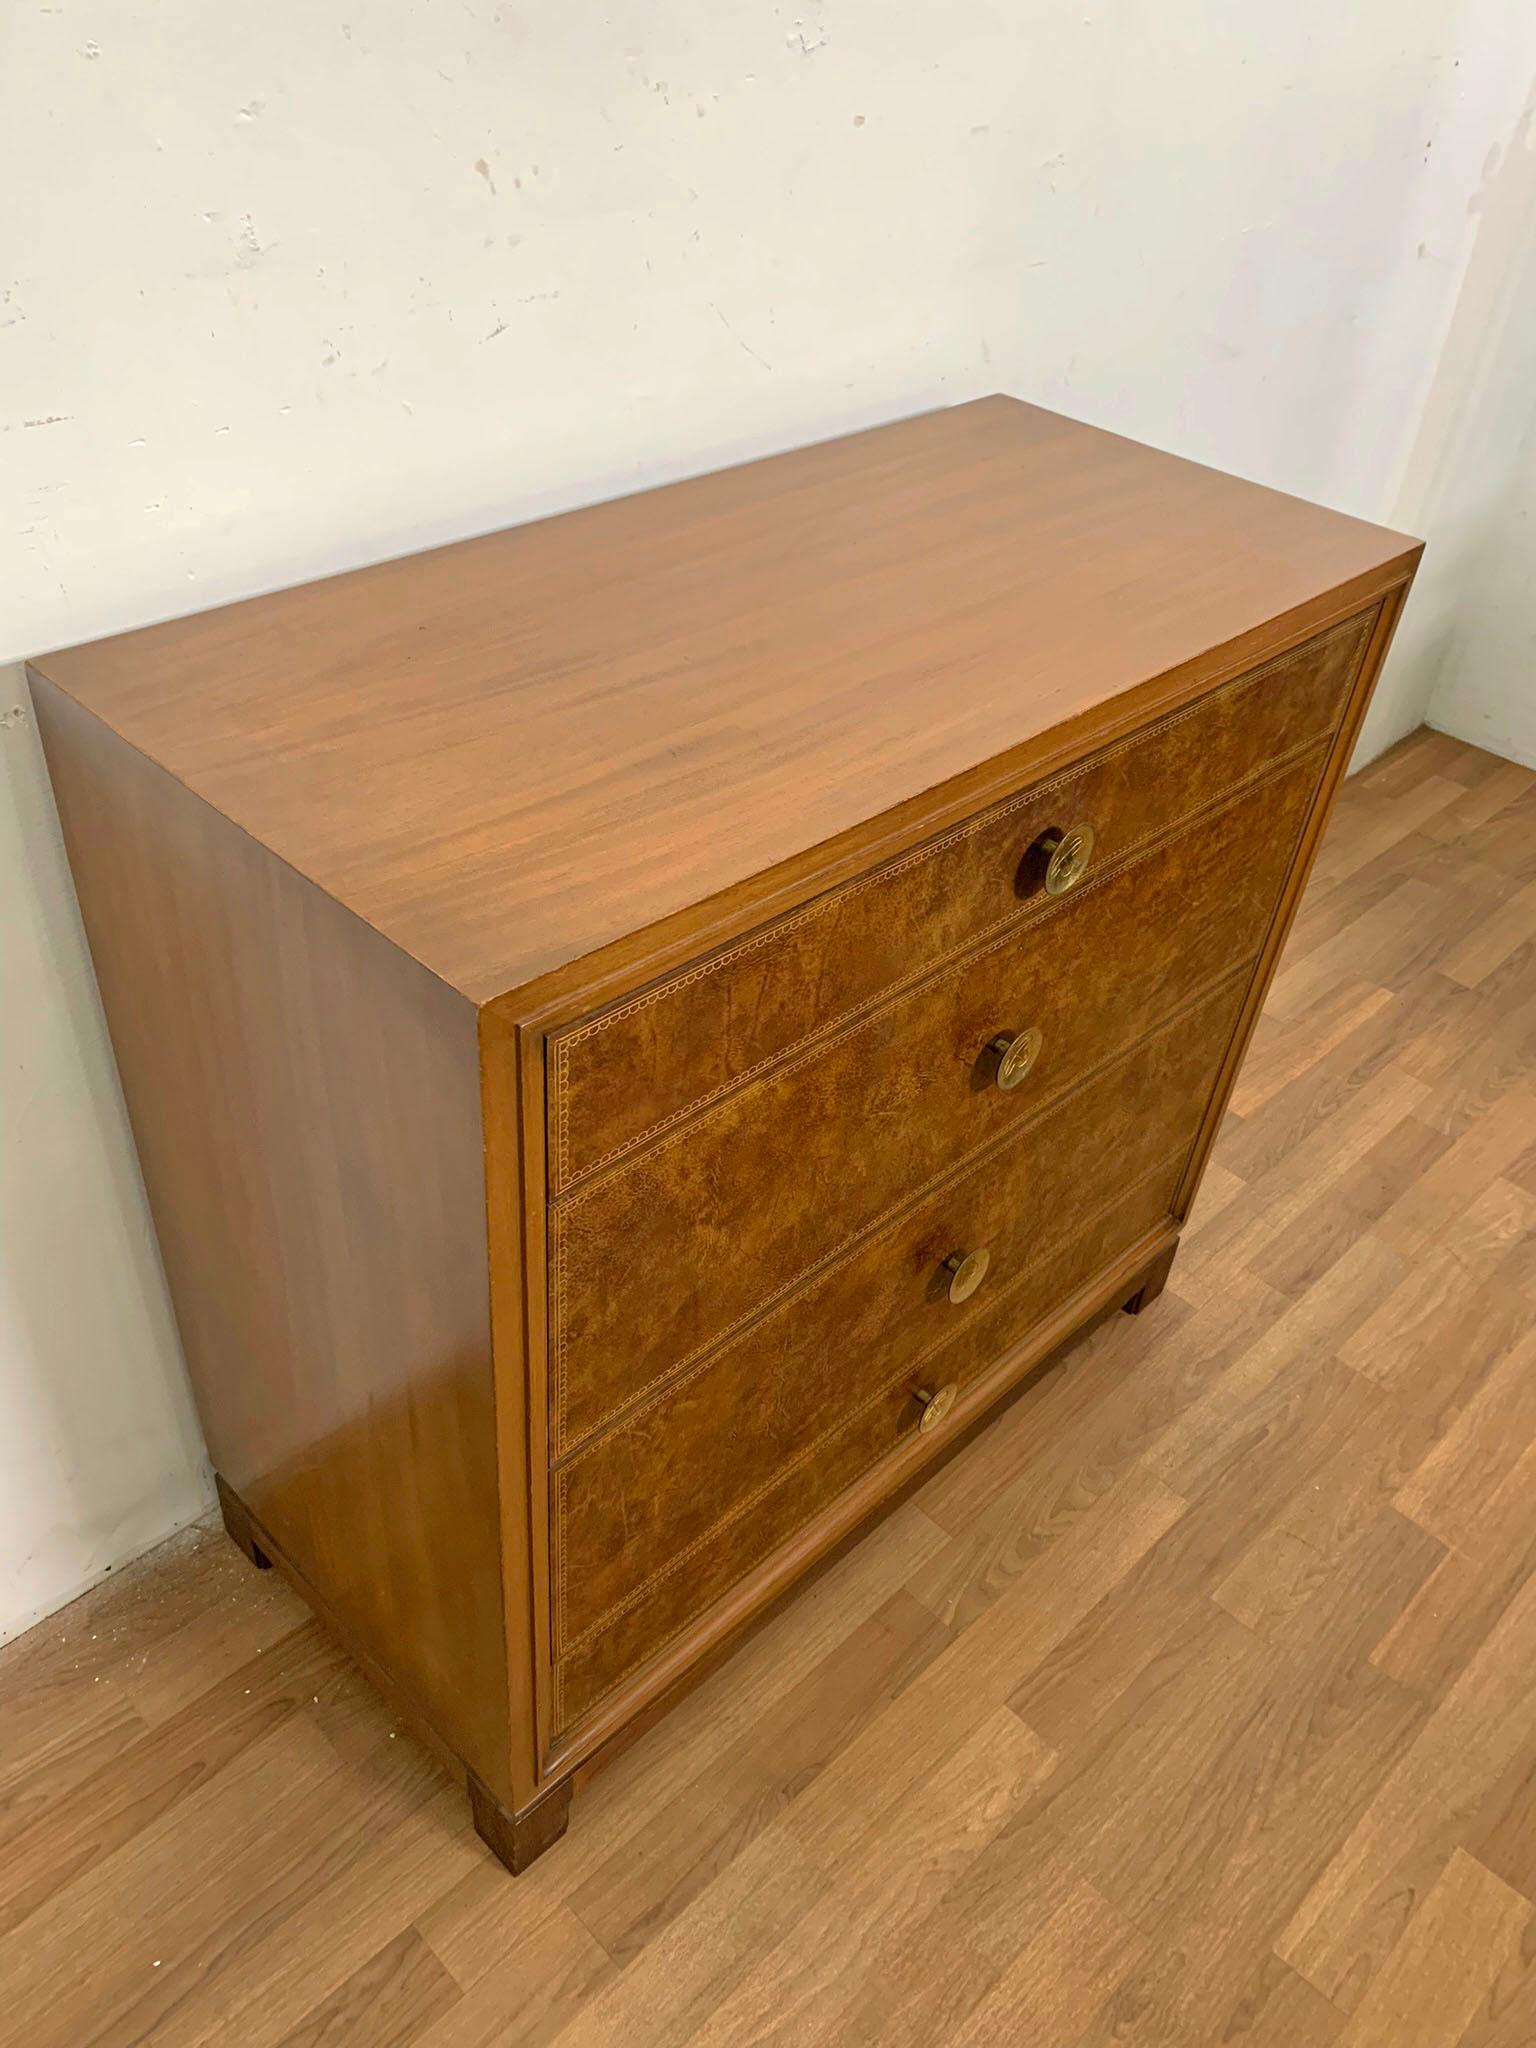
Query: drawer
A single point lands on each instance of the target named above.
(676, 1480)
(659, 1259)
(619, 1079)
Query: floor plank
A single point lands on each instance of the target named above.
(1452, 1952)
(1422, 1809)
(385, 2003)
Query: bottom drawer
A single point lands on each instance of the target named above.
(660, 1516)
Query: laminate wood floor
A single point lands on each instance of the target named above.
(1194, 1702)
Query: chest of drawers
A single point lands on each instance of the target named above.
(641, 1029)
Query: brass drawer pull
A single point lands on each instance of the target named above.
(967, 1271)
(1067, 855)
(937, 1403)
(1016, 1054)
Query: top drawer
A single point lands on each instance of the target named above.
(621, 1077)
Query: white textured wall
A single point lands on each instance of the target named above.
(1486, 691)
(100, 1454)
(288, 288)
(1466, 656)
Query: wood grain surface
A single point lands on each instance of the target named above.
(1189, 1704)
(508, 754)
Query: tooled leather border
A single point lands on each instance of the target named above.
(957, 962)
(820, 906)
(564, 1651)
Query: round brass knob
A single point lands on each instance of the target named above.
(937, 1403)
(1016, 1054)
(967, 1270)
(1067, 855)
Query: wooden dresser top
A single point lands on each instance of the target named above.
(508, 753)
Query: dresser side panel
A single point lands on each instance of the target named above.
(306, 1103)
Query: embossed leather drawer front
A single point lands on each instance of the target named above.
(658, 1260)
(663, 1510)
(618, 1080)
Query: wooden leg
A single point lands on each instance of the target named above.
(1153, 1283)
(517, 1838)
(237, 1525)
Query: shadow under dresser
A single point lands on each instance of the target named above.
(643, 1028)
